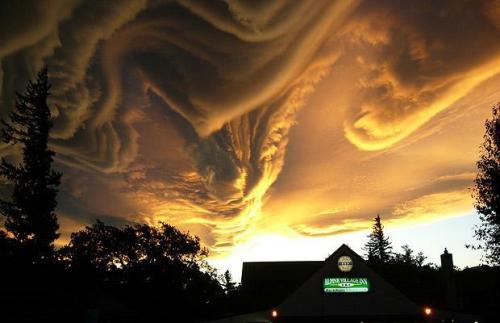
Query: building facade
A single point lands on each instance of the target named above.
(343, 288)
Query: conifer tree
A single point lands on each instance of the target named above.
(30, 212)
(378, 247)
(228, 283)
(487, 189)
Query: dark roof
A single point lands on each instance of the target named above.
(382, 299)
(273, 281)
(295, 287)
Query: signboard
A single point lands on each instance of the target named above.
(346, 285)
(345, 263)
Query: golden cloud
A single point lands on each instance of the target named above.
(238, 120)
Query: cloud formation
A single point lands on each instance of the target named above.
(421, 59)
(184, 111)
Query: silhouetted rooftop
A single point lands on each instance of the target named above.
(275, 280)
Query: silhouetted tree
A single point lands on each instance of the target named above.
(146, 266)
(409, 258)
(108, 248)
(4, 250)
(227, 282)
(419, 259)
(487, 189)
(378, 247)
(29, 213)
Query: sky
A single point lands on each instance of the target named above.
(263, 125)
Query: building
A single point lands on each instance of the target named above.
(343, 288)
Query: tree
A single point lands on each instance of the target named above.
(145, 267)
(30, 212)
(227, 282)
(378, 247)
(4, 240)
(140, 252)
(486, 191)
(408, 258)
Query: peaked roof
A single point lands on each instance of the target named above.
(310, 300)
(268, 283)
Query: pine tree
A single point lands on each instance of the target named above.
(30, 212)
(378, 247)
(487, 189)
(227, 282)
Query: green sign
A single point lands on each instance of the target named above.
(346, 285)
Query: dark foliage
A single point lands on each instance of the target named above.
(155, 272)
(409, 258)
(29, 213)
(134, 251)
(107, 274)
(227, 283)
(478, 288)
(487, 189)
(378, 248)
(4, 246)
(136, 273)
(479, 291)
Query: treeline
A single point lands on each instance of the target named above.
(475, 290)
(379, 250)
(408, 270)
(136, 273)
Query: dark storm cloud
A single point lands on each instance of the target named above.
(230, 76)
(181, 110)
(26, 23)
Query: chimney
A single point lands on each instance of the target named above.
(449, 283)
(447, 261)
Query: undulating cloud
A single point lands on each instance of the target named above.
(234, 118)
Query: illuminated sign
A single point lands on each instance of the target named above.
(345, 263)
(346, 285)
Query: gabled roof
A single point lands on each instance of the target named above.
(254, 273)
(295, 290)
(273, 281)
(309, 300)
